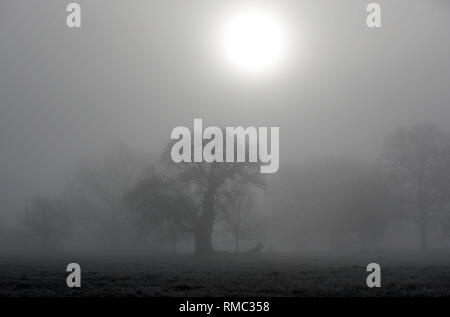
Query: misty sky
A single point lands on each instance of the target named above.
(137, 69)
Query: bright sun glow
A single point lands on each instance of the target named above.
(254, 41)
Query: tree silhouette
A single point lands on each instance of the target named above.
(417, 164)
(97, 189)
(207, 179)
(237, 213)
(48, 221)
(162, 203)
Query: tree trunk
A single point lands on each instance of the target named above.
(237, 243)
(203, 234)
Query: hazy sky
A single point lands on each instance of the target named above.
(136, 69)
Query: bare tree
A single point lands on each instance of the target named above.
(417, 164)
(207, 179)
(99, 186)
(342, 199)
(163, 204)
(48, 221)
(237, 213)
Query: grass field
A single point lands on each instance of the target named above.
(228, 275)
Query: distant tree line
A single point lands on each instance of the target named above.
(347, 201)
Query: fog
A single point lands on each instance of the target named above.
(79, 105)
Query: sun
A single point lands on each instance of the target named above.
(254, 41)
